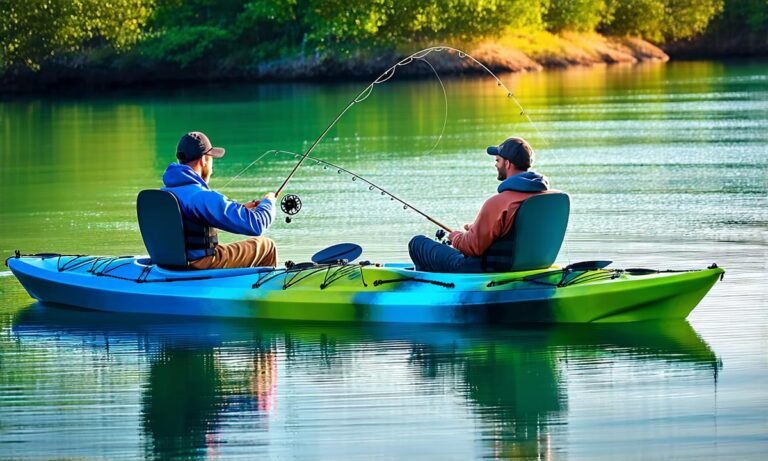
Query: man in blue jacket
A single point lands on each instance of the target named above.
(204, 210)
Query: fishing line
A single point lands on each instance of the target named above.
(387, 75)
(362, 96)
(445, 101)
(366, 93)
(371, 185)
(264, 154)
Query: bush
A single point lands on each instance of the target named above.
(575, 15)
(660, 20)
(34, 31)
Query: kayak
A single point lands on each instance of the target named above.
(365, 292)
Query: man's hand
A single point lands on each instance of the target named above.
(453, 234)
(270, 196)
(467, 226)
(252, 204)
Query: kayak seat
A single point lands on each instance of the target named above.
(162, 228)
(539, 230)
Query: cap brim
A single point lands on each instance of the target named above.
(216, 152)
(492, 150)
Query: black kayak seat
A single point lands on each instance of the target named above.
(539, 230)
(162, 228)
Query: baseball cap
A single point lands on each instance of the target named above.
(194, 145)
(516, 150)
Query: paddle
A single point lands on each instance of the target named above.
(334, 253)
(587, 265)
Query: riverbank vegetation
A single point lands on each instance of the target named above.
(50, 41)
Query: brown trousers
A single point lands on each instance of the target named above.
(254, 252)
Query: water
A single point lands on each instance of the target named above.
(667, 167)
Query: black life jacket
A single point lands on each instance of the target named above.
(499, 257)
(199, 237)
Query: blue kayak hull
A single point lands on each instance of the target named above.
(359, 294)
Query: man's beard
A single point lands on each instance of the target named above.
(502, 174)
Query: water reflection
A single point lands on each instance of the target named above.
(222, 388)
(182, 401)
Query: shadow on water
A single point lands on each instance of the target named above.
(204, 376)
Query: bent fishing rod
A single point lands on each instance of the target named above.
(291, 203)
(362, 96)
(388, 74)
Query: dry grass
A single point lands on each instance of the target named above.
(575, 48)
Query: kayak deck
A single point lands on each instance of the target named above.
(364, 292)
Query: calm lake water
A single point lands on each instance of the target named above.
(667, 166)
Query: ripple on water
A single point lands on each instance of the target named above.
(665, 168)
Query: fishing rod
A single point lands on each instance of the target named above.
(388, 74)
(362, 96)
(371, 186)
(291, 204)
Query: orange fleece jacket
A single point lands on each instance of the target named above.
(494, 220)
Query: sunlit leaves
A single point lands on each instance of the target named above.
(33, 31)
(576, 15)
(191, 32)
(660, 20)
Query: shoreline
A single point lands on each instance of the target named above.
(512, 53)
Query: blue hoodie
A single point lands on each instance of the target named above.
(529, 181)
(199, 202)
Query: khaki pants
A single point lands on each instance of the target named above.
(254, 252)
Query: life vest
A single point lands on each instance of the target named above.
(199, 237)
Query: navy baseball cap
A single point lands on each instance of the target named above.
(194, 145)
(516, 150)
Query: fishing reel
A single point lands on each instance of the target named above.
(440, 235)
(290, 204)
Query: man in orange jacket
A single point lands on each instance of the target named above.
(473, 248)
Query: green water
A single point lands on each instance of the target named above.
(667, 166)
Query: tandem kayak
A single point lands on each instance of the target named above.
(364, 292)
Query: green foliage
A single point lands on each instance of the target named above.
(389, 22)
(192, 31)
(33, 31)
(185, 46)
(188, 33)
(688, 18)
(576, 15)
(739, 13)
(643, 18)
(660, 20)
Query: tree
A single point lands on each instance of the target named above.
(688, 18)
(660, 20)
(33, 31)
(576, 15)
(643, 18)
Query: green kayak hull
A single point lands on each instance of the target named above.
(364, 293)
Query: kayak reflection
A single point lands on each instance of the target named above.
(213, 383)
